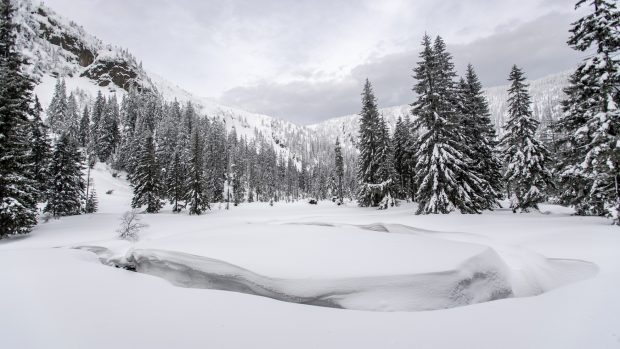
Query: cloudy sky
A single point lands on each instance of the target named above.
(306, 60)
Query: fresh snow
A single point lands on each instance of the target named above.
(562, 273)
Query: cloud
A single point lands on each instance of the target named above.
(537, 46)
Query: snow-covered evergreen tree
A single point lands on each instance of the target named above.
(41, 151)
(66, 188)
(197, 196)
(339, 170)
(18, 192)
(590, 127)
(84, 131)
(479, 133)
(146, 178)
(92, 204)
(57, 110)
(526, 176)
(108, 130)
(443, 177)
(372, 176)
(96, 115)
(401, 157)
(176, 179)
(72, 119)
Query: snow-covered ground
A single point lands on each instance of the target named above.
(496, 280)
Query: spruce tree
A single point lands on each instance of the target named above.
(108, 131)
(479, 133)
(590, 128)
(176, 181)
(96, 116)
(66, 187)
(339, 162)
(443, 177)
(57, 110)
(373, 183)
(526, 176)
(72, 120)
(197, 195)
(146, 178)
(401, 155)
(92, 204)
(41, 151)
(18, 192)
(84, 130)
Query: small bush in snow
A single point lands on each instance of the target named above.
(130, 226)
(109, 192)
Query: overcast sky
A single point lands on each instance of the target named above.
(306, 60)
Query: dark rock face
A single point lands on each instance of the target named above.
(119, 72)
(84, 55)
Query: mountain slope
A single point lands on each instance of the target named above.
(56, 47)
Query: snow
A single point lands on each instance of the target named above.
(562, 270)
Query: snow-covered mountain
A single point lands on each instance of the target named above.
(57, 47)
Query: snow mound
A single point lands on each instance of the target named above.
(481, 278)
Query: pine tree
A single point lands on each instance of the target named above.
(84, 131)
(590, 128)
(197, 196)
(92, 204)
(176, 181)
(386, 171)
(96, 115)
(526, 174)
(66, 188)
(108, 131)
(57, 110)
(18, 192)
(72, 120)
(401, 157)
(480, 134)
(145, 179)
(373, 185)
(443, 176)
(339, 162)
(41, 151)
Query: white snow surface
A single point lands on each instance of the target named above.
(562, 270)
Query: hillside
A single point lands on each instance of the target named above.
(57, 47)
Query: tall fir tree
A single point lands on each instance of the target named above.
(527, 177)
(401, 155)
(57, 110)
(72, 119)
(18, 192)
(443, 177)
(373, 183)
(479, 133)
(590, 128)
(66, 188)
(41, 151)
(84, 130)
(96, 116)
(339, 170)
(108, 130)
(146, 178)
(197, 194)
(176, 179)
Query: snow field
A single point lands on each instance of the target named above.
(56, 296)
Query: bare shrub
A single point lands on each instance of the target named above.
(130, 226)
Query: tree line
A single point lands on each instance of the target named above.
(448, 157)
